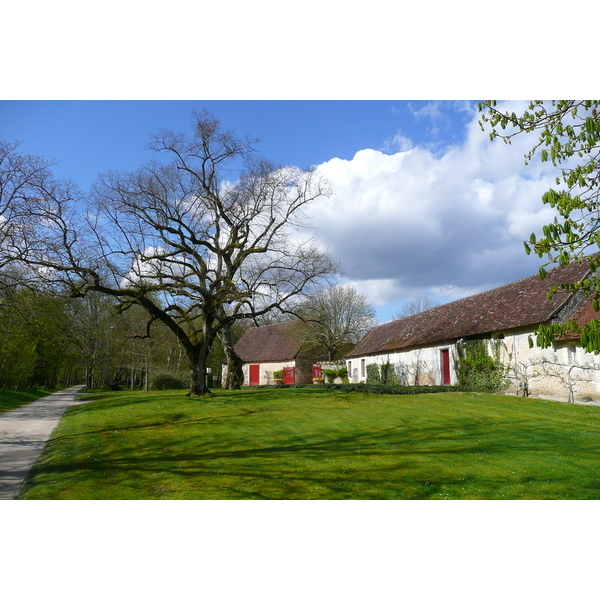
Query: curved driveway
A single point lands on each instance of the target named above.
(24, 433)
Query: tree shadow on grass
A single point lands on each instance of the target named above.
(165, 420)
(394, 462)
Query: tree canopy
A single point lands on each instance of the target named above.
(336, 319)
(414, 306)
(568, 136)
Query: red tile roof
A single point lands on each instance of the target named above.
(583, 314)
(269, 343)
(516, 304)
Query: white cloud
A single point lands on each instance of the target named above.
(449, 223)
(398, 143)
(379, 291)
(432, 110)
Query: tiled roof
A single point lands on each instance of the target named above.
(269, 343)
(583, 314)
(516, 304)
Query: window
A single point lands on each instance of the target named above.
(362, 368)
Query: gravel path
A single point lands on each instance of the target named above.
(24, 433)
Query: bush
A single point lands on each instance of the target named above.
(373, 374)
(167, 381)
(388, 374)
(399, 390)
(329, 375)
(477, 369)
(111, 387)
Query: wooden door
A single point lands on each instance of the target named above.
(289, 375)
(254, 374)
(317, 371)
(446, 367)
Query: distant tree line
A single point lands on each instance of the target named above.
(49, 339)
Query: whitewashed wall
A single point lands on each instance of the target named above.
(266, 371)
(571, 366)
(423, 365)
(566, 365)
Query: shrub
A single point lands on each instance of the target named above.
(388, 374)
(399, 390)
(329, 375)
(373, 374)
(478, 370)
(111, 387)
(167, 381)
(343, 374)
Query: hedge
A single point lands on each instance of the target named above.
(376, 388)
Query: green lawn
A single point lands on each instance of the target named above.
(320, 444)
(11, 399)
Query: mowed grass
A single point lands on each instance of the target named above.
(11, 399)
(320, 444)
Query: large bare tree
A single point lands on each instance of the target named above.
(208, 234)
(336, 319)
(414, 306)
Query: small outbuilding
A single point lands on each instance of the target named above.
(270, 348)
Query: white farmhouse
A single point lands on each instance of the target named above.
(423, 347)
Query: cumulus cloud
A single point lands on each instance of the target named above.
(447, 223)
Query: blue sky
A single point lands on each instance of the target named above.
(88, 137)
(423, 203)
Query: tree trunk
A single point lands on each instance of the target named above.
(235, 374)
(88, 375)
(197, 356)
(198, 383)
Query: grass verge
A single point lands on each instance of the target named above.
(11, 399)
(320, 444)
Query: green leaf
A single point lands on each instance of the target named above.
(590, 125)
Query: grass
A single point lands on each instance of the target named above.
(320, 444)
(11, 399)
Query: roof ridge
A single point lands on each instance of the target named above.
(499, 287)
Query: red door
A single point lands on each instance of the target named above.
(446, 367)
(254, 374)
(289, 375)
(317, 371)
